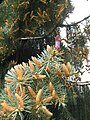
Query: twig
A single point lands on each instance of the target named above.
(51, 30)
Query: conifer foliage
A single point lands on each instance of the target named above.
(27, 18)
(31, 87)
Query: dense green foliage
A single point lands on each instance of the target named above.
(28, 18)
(36, 22)
(31, 87)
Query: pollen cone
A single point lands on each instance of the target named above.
(8, 92)
(24, 65)
(51, 87)
(58, 71)
(38, 76)
(20, 102)
(19, 74)
(38, 97)
(36, 61)
(69, 67)
(31, 66)
(66, 72)
(46, 111)
(48, 49)
(54, 95)
(48, 70)
(8, 80)
(48, 99)
(33, 94)
(23, 92)
(7, 107)
(17, 89)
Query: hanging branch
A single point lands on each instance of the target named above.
(74, 24)
(55, 26)
(83, 83)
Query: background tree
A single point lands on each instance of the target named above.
(32, 23)
(28, 18)
(34, 20)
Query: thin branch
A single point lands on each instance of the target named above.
(55, 26)
(83, 83)
(73, 24)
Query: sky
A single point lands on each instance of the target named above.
(81, 10)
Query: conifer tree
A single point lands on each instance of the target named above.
(28, 18)
(31, 87)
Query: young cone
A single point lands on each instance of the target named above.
(48, 70)
(38, 76)
(7, 107)
(9, 92)
(31, 66)
(20, 66)
(66, 72)
(18, 89)
(5, 90)
(54, 95)
(46, 111)
(58, 71)
(8, 80)
(51, 87)
(66, 3)
(56, 52)
(36, 61)
(33, 94)
(3, 112)
(38, 97)
(69, 67)
(24, 65)
(47, 100)
(19, 74)
(48, 49)
(23, 93)
(20, 102)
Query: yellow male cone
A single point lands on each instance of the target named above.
(66, 72)
(58, 71)
(69, 67)
(38, 97)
